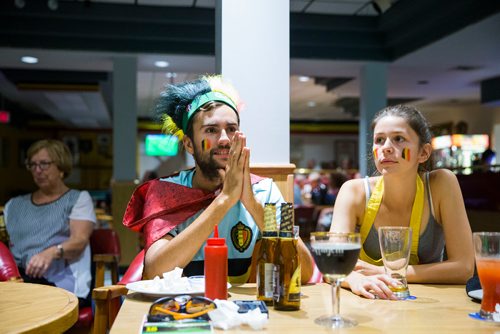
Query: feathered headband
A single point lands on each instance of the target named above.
(179, 103)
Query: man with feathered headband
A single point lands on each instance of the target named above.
(179, 212)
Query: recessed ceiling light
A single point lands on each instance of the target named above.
(311, 104)
(29, 60)
(171, 75)
(303, 78)
(161, 63)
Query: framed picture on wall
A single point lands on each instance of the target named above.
(346, 153)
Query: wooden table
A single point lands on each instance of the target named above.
(35, 308)
(437, 309)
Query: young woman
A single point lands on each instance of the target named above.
(405, 195)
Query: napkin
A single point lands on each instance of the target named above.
(226, 316)
(496, 314)
(172, 281)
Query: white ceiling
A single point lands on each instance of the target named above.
(477, 45)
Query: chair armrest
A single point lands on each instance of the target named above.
(109, 292)
(107, 305)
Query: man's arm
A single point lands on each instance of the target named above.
(167, 253)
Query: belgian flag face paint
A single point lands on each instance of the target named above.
(375, 154)
(406, 154)
(205, 145)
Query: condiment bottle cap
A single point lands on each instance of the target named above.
(216, 241)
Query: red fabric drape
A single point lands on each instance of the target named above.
(156, 207)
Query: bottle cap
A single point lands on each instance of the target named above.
(216, 241)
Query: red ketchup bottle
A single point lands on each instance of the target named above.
(216, 267)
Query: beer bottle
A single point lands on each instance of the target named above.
(265, 258)
(287, 271)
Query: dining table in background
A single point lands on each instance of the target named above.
(436, 309)
(35, 308)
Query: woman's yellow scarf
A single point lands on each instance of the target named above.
(415, 220)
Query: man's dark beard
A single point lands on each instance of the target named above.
(208, 166)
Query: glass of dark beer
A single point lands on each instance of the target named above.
(335, 255)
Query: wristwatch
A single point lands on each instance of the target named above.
(60, 251)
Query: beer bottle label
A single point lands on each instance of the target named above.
(294, 290)
(268, 280)
(276, 282)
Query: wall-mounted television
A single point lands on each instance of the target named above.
(161, 145)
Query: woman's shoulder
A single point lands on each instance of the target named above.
(19, 199)
(442, 181)
(356, 188)
(83, 195)
(441, 176)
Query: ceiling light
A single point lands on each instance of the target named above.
(171, 75)
(53, 4)
(29, 60)
(161, 63)
(20, 3)
(303, 78)
(311, 104)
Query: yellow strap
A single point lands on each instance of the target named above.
(371, 212)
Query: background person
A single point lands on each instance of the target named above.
(404, 195)
(179, 212)
(50, 228)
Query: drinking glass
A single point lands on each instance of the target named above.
(335, 255)
(487, 251)
(395, 246)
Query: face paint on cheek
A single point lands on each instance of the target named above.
(205, 145)
(375, 154)
(406, 154)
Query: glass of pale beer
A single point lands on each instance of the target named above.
(395, 246)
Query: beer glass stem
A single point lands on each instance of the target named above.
(336, 299)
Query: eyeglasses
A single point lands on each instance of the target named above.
(180, 307)
(44, 165)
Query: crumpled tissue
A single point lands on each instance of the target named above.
(172, 281)
(226, 316)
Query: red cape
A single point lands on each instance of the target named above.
(156, 207)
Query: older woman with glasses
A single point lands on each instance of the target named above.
(50, 228)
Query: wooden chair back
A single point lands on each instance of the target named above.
(282, 175)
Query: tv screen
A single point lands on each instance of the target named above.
(161, 145)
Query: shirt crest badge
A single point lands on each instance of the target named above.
(241, 236)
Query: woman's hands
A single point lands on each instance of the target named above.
(369, 281)
(39, 263)
(368, 269)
